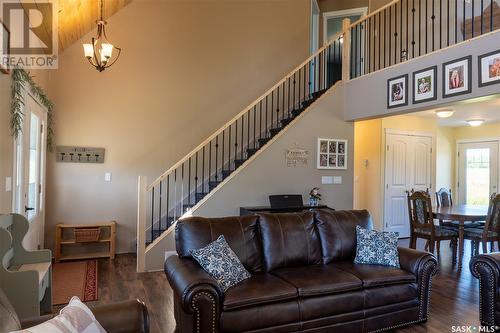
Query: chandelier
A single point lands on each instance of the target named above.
(100, 51)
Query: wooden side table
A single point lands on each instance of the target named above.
(106, 234)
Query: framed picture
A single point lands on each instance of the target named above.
(489, 68)
(457, 78)
(4, 47)
(332, 154)
(424, 85)
(397, 91)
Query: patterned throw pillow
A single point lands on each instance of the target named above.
(75, 317)
(376, 248)
(218, 260)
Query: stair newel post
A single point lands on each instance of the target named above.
(346, 49)
(141, 222)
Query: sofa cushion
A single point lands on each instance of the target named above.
(376, 247)
(386, 295)
(218, 260)
(259, 289)
(337, 232)
(376, 275)
(289, 240)
(319, 279)
(241, 233)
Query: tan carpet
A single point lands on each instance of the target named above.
(77, 278)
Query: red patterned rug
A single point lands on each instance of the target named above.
(78, 278)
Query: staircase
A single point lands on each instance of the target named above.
(395, 33)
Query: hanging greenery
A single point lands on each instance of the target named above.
(20, 79)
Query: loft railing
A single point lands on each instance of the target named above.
(406, 29)
(190, 180)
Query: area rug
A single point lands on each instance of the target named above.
(77, 278)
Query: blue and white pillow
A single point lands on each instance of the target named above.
(376, 248)
(218, 260)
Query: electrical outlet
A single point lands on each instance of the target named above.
(107, 176)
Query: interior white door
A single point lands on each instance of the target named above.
(30, 152)
(408, 165)
(478, 172)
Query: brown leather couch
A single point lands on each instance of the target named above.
(303, 277)
(125, 317)
(486, 267)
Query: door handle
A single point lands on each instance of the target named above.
(28, 208)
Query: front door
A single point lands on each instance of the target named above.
(30, 171)
(477, 172)
(408, 165)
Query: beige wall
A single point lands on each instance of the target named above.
(491, 130)
(445, 158)
(187, 67)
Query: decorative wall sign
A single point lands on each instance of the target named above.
(397, 91)
(4, 46)
(332, 154)
(457, 78)
(79, 154)
(296, 156)
(489, 68)
(424, 85)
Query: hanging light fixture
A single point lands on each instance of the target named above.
(100, 51)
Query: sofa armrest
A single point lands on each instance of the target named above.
(196, 291)
(124, 317)
(486, 267)
(424, 266)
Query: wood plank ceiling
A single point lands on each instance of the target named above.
(78, 17)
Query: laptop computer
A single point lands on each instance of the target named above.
(286, 201)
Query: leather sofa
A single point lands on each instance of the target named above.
(486, 267)
(303, 277)
(124, 317)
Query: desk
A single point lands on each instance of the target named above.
(462, 214)
(268, 209)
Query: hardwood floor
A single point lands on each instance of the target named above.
(454, 296)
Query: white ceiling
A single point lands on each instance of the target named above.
(487, 108)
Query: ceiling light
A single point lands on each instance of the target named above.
(444, 113)
(100, 51)
(475, 122)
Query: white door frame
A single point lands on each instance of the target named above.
(391, 131)
(457, 161)
(315, 11)
(20, 168)
(363, 11)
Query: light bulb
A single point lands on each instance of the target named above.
(107, 50)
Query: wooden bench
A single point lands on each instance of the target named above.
(25, 276)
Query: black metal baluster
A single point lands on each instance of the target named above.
(419, 27)
(254, 125)
(248, 132)
(390, 35)
(456, 21)
(369, 37)
(175, 194)
(360, 54)
(304, 88)
(426, 26)
(209, 162)
(272, 109)
(396, 33)
(278, 105)
(288, 97)
(182, 190)
(229, 148)
(189, 182)
(203, 179)
(463, 27)
(433, 18)
(265, 125)
(491, 15)
(407, 31)
(472, 19)
(242, 136)
(216, 159)
(260, 119)
(222, 166)
(196, 178)
(385, 36)
(152, 213)
(401, 31)
(168, 197)
(413, 31)
(441, 24)
(482, 9)
(283, 98)
(160, 196)
(236, 140)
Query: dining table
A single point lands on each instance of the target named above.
(462, 214)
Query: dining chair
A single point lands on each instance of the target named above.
(422, 224)
(490, 232)
(444, 198)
